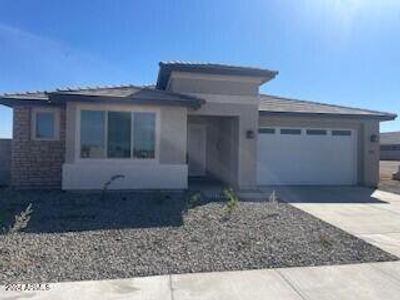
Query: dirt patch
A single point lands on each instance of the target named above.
(386, 170)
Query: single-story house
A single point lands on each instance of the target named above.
(390, 145)
(198, 120)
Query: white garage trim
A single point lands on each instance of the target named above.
(293, 155)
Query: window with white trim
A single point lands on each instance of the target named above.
(117, 134)
(45, 124)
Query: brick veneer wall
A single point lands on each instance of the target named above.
(5, 161)
(35, 163)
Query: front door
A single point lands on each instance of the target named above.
(197, 141)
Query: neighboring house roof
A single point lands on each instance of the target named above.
(270, 104)
(167, 67)
(123, 94)
(390, 138)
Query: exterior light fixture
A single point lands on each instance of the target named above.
(374, 138)
(250, 134)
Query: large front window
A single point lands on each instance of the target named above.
(144, 135)
(119, 134)
(115, 134)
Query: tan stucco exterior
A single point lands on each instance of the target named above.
(173, 135)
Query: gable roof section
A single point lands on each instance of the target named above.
(390, 138)
(166, 67)
(280, 105)
(115, 94)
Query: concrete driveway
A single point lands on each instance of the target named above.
(372, 215)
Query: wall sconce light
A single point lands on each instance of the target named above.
(374, 138)
(250, 134)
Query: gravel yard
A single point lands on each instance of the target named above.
(75, 236)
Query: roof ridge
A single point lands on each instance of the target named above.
(207, 63)
(328, 104)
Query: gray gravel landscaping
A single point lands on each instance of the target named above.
(82, 236)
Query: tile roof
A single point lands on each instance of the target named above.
(166, 67)
(117, 90)
(139, 94)
(268, 103)
(277, 104)
(390, 138)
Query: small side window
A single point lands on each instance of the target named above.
(44, 125)
(316, 132)
(291, 131)
(266, 130)
(341, 132)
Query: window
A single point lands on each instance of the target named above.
(266, 130)
(316, 132)
(341, 132)
(119, 135)
(291, 131)
(115, 134)
(44, 124)
(144, 135)
(92, 134)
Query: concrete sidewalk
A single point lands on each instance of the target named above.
(362, 281)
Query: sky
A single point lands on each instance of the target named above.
(344, 52)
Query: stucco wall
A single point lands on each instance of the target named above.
(216, 84)
(173, 136)
(5, 161)
(35, 163)
(224, 87)
(367, 151)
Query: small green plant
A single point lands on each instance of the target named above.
(21, 220)
(325, 241)
(231, 199)
(273, 199)
(193, 199)
(109, 182)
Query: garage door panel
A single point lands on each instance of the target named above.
(306, 159)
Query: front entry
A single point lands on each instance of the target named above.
(197, 142)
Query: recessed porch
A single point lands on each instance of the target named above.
(212, 150)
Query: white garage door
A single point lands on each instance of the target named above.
(306, 156)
